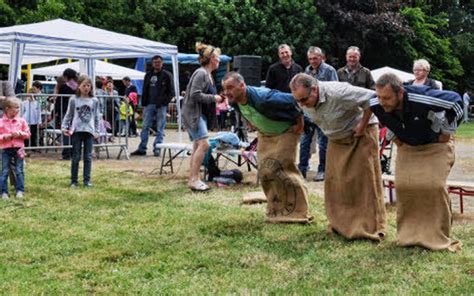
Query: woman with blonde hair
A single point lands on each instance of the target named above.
(201, 90)
(421, 69)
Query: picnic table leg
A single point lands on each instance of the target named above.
(390, 188)
(171, 160)
(163, 160)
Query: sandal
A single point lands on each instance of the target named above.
(199, 186)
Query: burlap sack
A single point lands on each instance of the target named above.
(424, 214)
(353, 191)
(287, 196)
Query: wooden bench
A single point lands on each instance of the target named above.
(461, 188)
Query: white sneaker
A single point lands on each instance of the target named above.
(19, 194)
(4, 196)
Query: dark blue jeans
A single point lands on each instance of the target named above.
(66, 153)
(10, 156)
(78, 139)
(305, 147)
(149, 113)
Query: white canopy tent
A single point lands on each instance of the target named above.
(5, 59)
(101, 69)
(65, 39)
(404, 76)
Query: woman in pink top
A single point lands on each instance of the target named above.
(13, 133)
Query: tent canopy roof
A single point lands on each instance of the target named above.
(404, 76)
(101, 69)
(191, 58)
(61, 38)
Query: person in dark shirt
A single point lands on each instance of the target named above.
(60, 106)
(156, 95)
(423, 121)
(279, 74)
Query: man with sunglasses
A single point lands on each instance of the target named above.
(353, 191)
(279, 122)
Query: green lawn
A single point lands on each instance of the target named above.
(466, 130)
(142, 234)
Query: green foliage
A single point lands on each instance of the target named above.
(7, 14)
(388, 32)
(426, 43)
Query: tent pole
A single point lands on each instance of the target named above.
(16, 56)
(174, 59)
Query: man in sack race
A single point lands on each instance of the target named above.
(423, 121)
(353, 192)
(279, 122)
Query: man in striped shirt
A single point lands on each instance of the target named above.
(423, 121)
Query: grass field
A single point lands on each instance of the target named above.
(140, 234)
(466, 130)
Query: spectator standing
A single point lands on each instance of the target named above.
(279, 74)
(421, 69)
(353, 72)
(82, 123)
(113, 106)
(131, 92)
(322, 72)
(60, 107)
(201, 90)
(156, 95)
(124, 113)
(13, 133)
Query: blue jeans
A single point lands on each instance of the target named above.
(66, 153)
(149, 112)
(305, 153)
(78, 138)
(9, 155)
(201, 132)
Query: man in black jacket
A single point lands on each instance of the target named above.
(157, 93)
(280, 73)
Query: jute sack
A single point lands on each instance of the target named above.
(287, 196)
(424, 214)
(353, 192)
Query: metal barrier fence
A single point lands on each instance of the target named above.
(44, 115)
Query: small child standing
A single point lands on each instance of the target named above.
(124, 125)
(81, 122)
(13, 132)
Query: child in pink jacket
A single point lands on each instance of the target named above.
(13, 133)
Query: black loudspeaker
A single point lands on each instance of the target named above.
(250, 67)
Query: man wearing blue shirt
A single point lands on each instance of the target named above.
(279, 122)
(423, 121)
(322, 72)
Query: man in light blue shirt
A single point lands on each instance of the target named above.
(322, 72)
